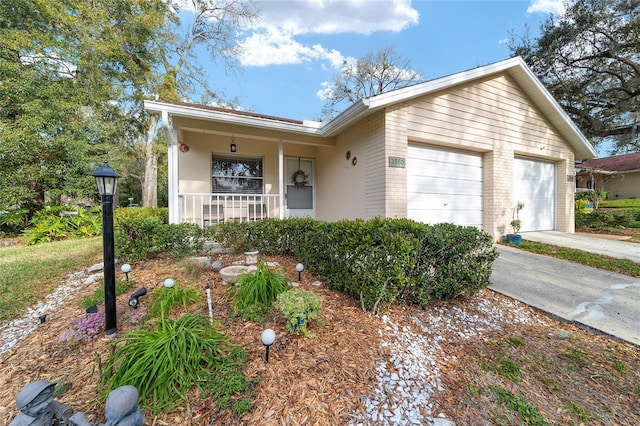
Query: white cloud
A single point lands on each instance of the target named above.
(555, 7)
(273, 39)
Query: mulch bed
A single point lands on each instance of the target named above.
(321, 380)
(307, 381)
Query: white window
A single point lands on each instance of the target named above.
(234, 174)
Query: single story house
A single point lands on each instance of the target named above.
(618, 175)
(464, 149)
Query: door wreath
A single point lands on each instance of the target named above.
(300, 179)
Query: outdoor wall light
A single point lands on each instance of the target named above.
(233, 144)
(107, 181)
(299, 268)
(169, 283)
(133, 299)
(126, 268)
(268, 337)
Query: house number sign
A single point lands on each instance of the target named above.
(396, 162)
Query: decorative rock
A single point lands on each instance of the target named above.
(95, 268)
(316, 283)
(203, 260)
(216, 265)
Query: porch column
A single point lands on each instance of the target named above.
(172, 162)
(280, 177)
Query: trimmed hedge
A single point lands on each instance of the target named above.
(141, 232)
(377, 261)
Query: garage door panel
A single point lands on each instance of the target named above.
(440, 156)
(437, 186)
(463, 217)
(424, 201)
(440, 170)
(444, 186)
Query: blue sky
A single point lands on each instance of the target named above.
(298, 46)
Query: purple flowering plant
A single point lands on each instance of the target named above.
(90, 326)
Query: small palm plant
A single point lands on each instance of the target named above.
(516, 224)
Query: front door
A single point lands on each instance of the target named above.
(299, 196)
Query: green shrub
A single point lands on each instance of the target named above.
(256, 291)
(298, 307)
(600, 218)
(142, 232)
(378, 261)
(165, 299)
(13, 221)
(165, 362)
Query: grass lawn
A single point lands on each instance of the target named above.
(28, 273)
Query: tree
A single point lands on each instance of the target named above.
(212, 28)
(66, 70)
(368, 76)
(589, 59)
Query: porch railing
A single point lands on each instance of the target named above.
(206, 209)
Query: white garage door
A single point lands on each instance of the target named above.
(535, 185)
(444, 186)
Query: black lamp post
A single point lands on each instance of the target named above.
(107, 180)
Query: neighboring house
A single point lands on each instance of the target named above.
(618, 175)
(463, 149)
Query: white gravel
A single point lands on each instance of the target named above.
(411, 375)
(19, 328)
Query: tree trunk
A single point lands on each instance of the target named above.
(150, 178)
(149, 181)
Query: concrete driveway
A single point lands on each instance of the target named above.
(602, 300)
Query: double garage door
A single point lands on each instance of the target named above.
(447, 186)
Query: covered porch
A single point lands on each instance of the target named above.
(236, 166)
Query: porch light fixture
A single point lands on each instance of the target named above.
(299, 268)
(107, 181)
(126, 268)
(233, 144)
(268, 337)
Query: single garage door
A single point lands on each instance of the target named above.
(444, 186)
(535, 185)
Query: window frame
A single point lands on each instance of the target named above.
(238, 158)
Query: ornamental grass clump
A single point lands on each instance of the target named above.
(298, 307)
(163, 363)
(256, 291)
(165, 299)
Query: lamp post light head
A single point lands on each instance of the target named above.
(268, 337)
(126, 268)
(299, 268)
(169, 283)
(106, 179)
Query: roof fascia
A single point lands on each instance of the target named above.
(307, 128)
